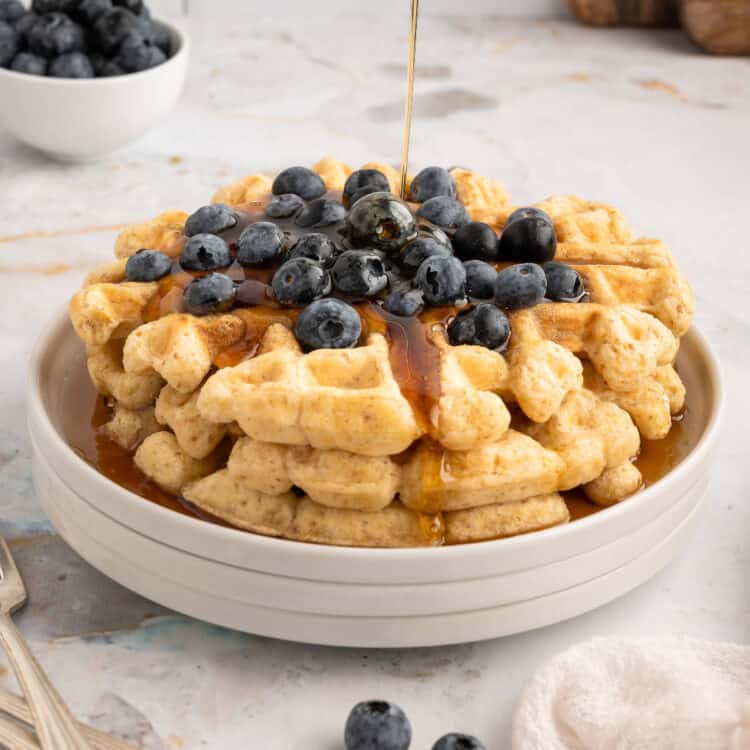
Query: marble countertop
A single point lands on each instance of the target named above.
(639, 119)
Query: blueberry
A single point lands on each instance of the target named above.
(522, 285)
(110, 68)
(377, 725)
(431, 182)
(111, 29)
(87, 11)
(381, 220)
(211, 294)
(161, 37)
(137, 54)
(205, 252)
(480, 279)
(26, 62)
(285, 205)
(405, 303)
(483, 325)
(211, 219)
(300, 281)
(360, 273)
(71, 65)
(53, 6)
(148, 265)
(564, 283)
(475, 240)
(11, 11)
(300, 181)
(55, 34)
(315, 246)
(415, 253)
(444, 211)
(24, 23)
(362, 192)
(458, 742)
(426, 229)
(530, 237)
(526, 212)
(9, 43)
(261, 244)
(134, 6)
(328, 324)
(442, 280)
(321, 213)
(365, 178)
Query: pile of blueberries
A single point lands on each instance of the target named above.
(380, 725)
(80, 38)
(372, 247)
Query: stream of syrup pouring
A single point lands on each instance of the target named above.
(414, 358)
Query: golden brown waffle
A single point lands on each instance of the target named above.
(333, 447)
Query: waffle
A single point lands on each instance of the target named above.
(339, 446)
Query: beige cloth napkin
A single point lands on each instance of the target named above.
(610, 694)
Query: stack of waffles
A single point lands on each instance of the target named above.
(334, 446)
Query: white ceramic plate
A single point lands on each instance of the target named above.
(360, 597)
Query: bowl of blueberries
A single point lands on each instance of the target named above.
(82, 78)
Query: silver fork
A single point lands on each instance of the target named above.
(55, 726)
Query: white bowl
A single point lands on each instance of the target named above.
(79, 120)
(359, 597)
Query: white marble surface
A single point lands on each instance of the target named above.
(639, 119)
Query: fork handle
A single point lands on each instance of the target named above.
(55, 726)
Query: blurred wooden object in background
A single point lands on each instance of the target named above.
(625, 12)
(718, 26)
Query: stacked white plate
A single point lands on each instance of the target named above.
(360, 597)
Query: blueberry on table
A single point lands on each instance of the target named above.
(137, 54)
(360, 273)
(300, 181)
(425, 229)
(475, 240)
(522, 285)
(11, 11)
(285, 205)
(9, 43)
(88, 11)
(455, 741)
(55, 34)
(261, 244)
(431, 182)
(483, 325)
(210, 294)
(27, 62)
(71, 65)
(362, 192)
(300, 281)
(564, 283)
(405, 303)
(328, 324)
(111, 29)
(418, 250)
(148, 265)
(480, 279)
(372, 179)
(205, 252)
(381, 220)
(529, 237)
(212, 219)
(377, 725)
(444, 211)
(442, 280)
(528, 212)
(321, 212)
(315, 246)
